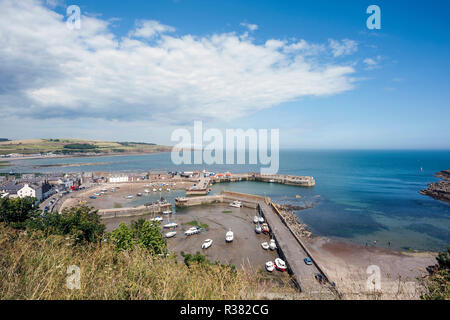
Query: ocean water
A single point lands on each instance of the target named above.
(360, 196)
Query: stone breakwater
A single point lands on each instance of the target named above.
(439, 190)
(299, 229)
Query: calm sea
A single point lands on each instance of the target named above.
(360, 196)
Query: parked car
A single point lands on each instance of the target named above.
(308, 261)
(319, 277)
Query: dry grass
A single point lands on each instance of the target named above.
(34, 267)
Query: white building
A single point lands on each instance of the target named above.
(30, 191)
(118, 179)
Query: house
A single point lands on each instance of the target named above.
(118, 179)
(28, 190)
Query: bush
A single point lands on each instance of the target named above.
(16, 212)
(141, 233)
(83, 223)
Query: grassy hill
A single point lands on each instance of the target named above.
(75, 146)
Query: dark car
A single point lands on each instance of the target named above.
(319, 277)
(308, 261)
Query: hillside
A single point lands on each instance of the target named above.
(75, 146)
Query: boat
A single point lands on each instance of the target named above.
(154, 190)
(96, 194)
(265, 245)
(159, 219)
(236, 204)
(271, 181)
(170, 225)
(258, 228)
(255, 219)
(146, 191)
(167, 212)
(207, 244)
(280, 264)
(272, 244)
(261, 219)
(270, 266)
(139, 194)
(171, 234)
(265, 228)
(192, 231)
(229, 236)
(129, 196)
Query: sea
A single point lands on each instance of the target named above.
(368, 197)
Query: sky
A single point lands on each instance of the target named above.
(138, 70)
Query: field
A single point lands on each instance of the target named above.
(74, 146)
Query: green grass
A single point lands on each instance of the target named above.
(79, 146)
(227, 211)
(195, 223)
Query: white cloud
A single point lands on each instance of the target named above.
(49, 71)
(372, 63)
(150, 28)
(344, 47)
(251, 27)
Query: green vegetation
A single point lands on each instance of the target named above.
(70, 146)
(18, 212)
(438, 283)
(117, 205)
(141, 233)
(227, 211)
(195, 223)
(4, 164)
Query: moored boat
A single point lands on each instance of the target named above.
(170, 234)
(261, 219)
(236, 204)
(207, 244)
(265, 245)
(272, 244)
(229, 236)
(255, 219)
(258, 228)
(170, 225)
(265, 228)
(270, 266)
(192, 231)
(159, 219)
(280, 264)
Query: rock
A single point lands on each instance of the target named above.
(439, 190)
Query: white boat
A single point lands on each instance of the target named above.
(129, 197)
(270, 266)
(171, 234)
(271, 181)
(170, 225)
(255, 219)
(236, 204)
(265, 245)
(146, 191)
(272, 244)
(192, 231)
(280, 264)
(168, 189)
(154, 190)
(261, 219)
(258, 228)
(207, 244)
(159, 219)
(167, 212)
(229, 236)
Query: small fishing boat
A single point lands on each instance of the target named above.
(159, 219)
(272, 244)
(139, 194)
(129, 196)
(146, 191)
(207, 244)
(229, 236)
(167, 212)
(280, 264)
(96, 194)
(170, 225)
(265, 228)
(265, 245)
(271, 181)
(192, 231)
(236, 204)
(171, 234)
(261, 219)
(258, 228)
(270, 266)
(154, 190)
(255, 219)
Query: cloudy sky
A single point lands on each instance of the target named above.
(136, 71)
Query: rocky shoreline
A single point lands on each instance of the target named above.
(439, 190)
(287, 212)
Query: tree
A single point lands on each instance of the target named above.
(82, 222)
(15, 212)
(142, 233)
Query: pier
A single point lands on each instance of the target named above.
(290, 248)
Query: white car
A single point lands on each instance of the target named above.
(265, 245)
(229, 237)
(280, 264)
(207, 244)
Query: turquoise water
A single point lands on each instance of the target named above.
(360, 196)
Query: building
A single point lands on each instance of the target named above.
(33, 191)
(118, 179)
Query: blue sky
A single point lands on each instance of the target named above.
(390, 89)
